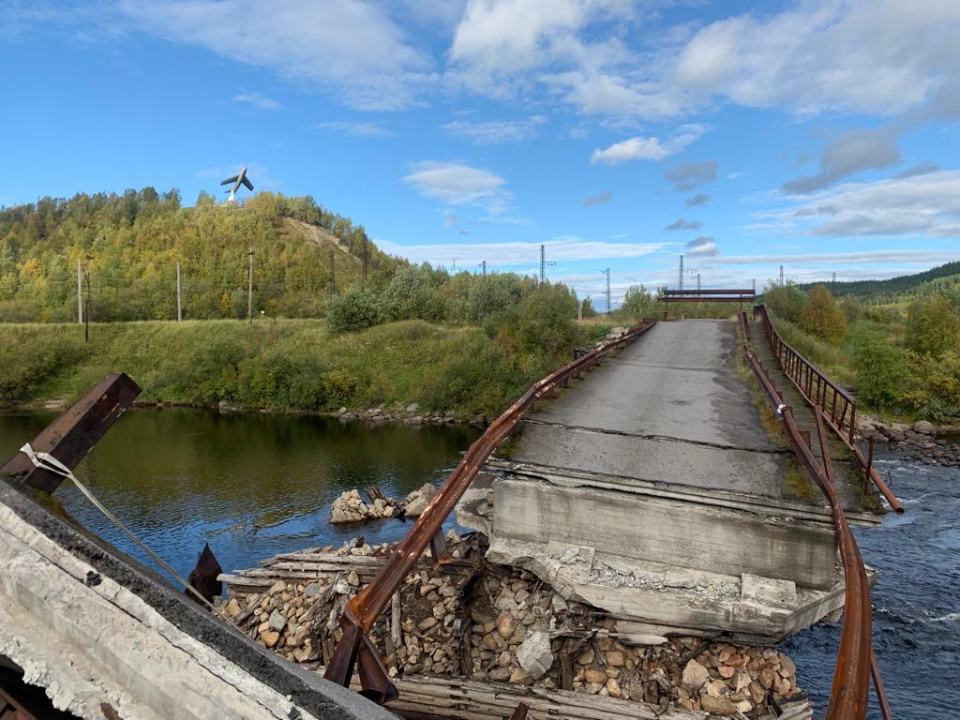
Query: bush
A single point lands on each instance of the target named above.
(881, 371)
(821, 317)
(31, 362)
(933, 327)
(356, 309)
(786, 300)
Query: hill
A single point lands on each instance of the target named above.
(942, 279)
(130, 244)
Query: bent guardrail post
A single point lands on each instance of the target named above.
(72, 435)
(851, 679)
(365, 607)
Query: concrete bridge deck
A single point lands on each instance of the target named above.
(657, 489)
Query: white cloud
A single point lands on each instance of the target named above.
(350, 47)
(682, 224)
(868, 56)
(356, 129)
(594, 200)
(917, 256)
(498, 131)
(647, 148)
(926, 204)
(513, 254)
(458, 184)
(703, 246)
(258, 100)
(850, 153)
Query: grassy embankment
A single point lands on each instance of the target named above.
(284, 365)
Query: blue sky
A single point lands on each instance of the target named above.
(819, 134)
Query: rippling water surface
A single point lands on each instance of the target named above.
(251, 485)
(254, 485)
(916, 602)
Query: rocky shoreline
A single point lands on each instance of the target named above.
(920, 441)
(472, 620)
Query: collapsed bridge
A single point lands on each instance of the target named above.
(674, 487)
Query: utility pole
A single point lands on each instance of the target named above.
(834, 282)
(698, 282)
(333, 273)
(680, 287)
(364, 280)
(607, 273)
(250, 287)
(454, 271)
(754, 286)
(79, 293)
(543, 263)
(781, 276)
(483, 266)
(86, 326)
(579, 309)
(179, 300)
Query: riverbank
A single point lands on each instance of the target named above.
(921, 441)
(447, 371)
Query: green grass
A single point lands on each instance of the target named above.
(276, 364)
(836, 361)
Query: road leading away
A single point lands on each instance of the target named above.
(671, 408)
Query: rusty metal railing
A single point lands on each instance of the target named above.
(821, 392)
(364, 608)
(855, 660)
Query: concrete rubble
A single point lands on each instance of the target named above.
(485, 622)
(350, 507)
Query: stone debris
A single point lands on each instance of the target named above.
(351, 508)
(408, 415)
(916, 442)
(482, 622)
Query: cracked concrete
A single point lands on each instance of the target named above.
(105, 643)
(655, 471)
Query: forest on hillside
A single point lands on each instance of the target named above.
(944, 279)
(129, 246)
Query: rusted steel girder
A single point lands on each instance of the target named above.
(801, 373)
(72, 435)
(851, 680)
(364, 608)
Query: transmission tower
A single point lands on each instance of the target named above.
(483, 266)
(607, 273)
(680, 287)
(544, 264)
(781, 276)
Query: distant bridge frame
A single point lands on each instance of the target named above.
(736, 295)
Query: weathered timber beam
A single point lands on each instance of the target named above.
(72, 435)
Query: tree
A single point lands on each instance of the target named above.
(933, 327)
(639, 303)
(881, 371)
(821, 316)
(588, 310)
(785, 300)
(356, 309)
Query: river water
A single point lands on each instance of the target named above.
(253, 485)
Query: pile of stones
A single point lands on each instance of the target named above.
(916, 442)
(408, 415)
(468, 619)
(350, 507)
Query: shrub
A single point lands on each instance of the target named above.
(933, 326)
(821, 317)
(356, 309)
(881, 371)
